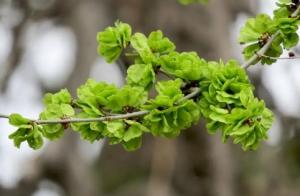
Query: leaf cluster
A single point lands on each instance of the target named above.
(257, 31)
(220, 93)
(187, 2)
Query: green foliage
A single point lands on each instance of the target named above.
(248, 125)
(187, 2)
(186, 65)
(168, 93)
(160, 44)
(95, 99)
(132, 138)
(27, 131)
(257, 31)
(93, 95)
(140, 43)
(123, 115)
(57, 106)
(168, 122)
(112, 40)
(284, 3)
(91, 131)
(141, 75)
(229, 105)
(18, 120)
(127, 96)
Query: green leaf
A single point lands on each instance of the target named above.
(132, 138)
(115, 131)
(170, 88)
(287, 25)
(187, 2)
(134, 131)
(256, 27)
(274, 51)
(31, 134)
(56, 111)
(36, 140)
(133, 144)
(228, 104)
(170, 121)
(290, 40)
(67, 110)
(288, 28)
(186, 65)
(168, 93)
(282, 12)
(63, 96)
(89, 131)
(53, 132)
(285, 2)
(160, 44)
(259, 30)
(127, 96)
(140, 43)
(249, 125)
(92, 96)
(19, 121)
(113, 40)
(141, 75)
(57, 107)
(19, 136)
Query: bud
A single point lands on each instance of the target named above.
(291, 54)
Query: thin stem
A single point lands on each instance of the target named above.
(166, 74)
(261, 52)
(134, 54)
(83, 120)
(281, 58)
(4, 116)
(296, 12)
(266, 47)
(195, 91)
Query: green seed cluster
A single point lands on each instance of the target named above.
(224, 95)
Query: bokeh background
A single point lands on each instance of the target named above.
(46, 45)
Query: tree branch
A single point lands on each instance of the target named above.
(4, 116)
(282, 58)
(166, 74)
(295, 13)
(100, 119)
(266, 47)
(195, 92)
(261, 52)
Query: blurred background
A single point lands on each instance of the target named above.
(46, 45)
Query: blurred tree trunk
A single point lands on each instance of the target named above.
(15, 56)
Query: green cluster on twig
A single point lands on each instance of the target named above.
(220, 93)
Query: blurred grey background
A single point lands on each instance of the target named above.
(46, 45)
